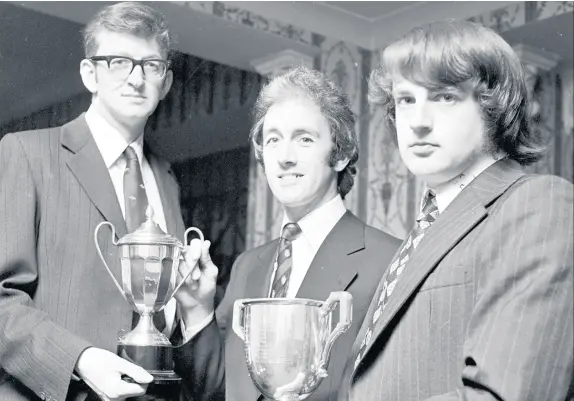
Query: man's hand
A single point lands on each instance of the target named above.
(196, 295)
(102, 371)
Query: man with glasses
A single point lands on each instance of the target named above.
(59, 311)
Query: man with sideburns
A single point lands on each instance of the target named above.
(304, 137)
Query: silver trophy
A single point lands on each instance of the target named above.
(288, 342)
(149, 269)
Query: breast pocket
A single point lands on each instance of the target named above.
(446, 275)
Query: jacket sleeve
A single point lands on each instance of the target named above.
(201, 361)
(33, 349)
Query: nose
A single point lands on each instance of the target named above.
(287, 154)
(421, 120)
(136, 77)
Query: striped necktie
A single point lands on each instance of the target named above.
(290, 232)
(425, 219)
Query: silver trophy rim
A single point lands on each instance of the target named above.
(284, 301)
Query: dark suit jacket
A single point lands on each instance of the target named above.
(484, 308)
(352, 258)
(56, 297)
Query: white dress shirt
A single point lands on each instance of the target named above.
(315, 227)
(445, 193)
(112, 145)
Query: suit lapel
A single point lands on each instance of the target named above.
(87, 165)
(328, 271)
(259, 278)
(464, 213)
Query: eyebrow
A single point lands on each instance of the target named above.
(401, 91)
(148, 57)
(296, 132)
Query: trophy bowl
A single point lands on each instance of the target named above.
(149, 260)
(288, 341)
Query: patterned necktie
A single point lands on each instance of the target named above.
(427, 216)
(291, 232)
(136, 203)
(135, 198)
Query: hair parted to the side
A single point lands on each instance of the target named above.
(335, 106)
(133, 18)
(450, 52)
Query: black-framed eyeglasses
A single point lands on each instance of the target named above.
(121, 66)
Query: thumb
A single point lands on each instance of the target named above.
(208, 268)
(139, 374)
(192, 254)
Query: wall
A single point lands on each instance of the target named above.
(385, 194)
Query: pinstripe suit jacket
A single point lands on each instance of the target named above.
(351, 258)
(56, 298)
(484, 308)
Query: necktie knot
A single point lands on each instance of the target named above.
(130, 154)
(429, 211)
(291, 231)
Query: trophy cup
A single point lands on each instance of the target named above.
(149, 267)
(288, 342)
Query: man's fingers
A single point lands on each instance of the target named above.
(139, 374)
(192, 252)
(125, 389)
(209, 270)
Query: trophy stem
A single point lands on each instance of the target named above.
(145, 333)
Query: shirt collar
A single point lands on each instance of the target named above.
(316, 225)
(445, 193)
(109, 140)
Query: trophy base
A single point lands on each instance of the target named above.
(160, 391)
(156, 359)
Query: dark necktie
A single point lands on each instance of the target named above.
(290, 232)
(427, 216)
(136, 203)
(135, 198)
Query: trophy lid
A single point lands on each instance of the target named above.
(149, 233)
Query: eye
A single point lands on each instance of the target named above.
(405, 100)
(119, 62)
(446, 97)
(270, 140)
(306, 139)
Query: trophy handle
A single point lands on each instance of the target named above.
(190, 229)
(345, 301)
(238, 309)
(114, 242)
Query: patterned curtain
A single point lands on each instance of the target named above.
(200, 87)
(214, 199)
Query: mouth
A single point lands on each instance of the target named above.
(290, 177)
(423, 144)
(134, 96)
(423, 149)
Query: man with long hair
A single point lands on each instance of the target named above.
(478, 302)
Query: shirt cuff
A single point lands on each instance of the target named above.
(190, 332)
